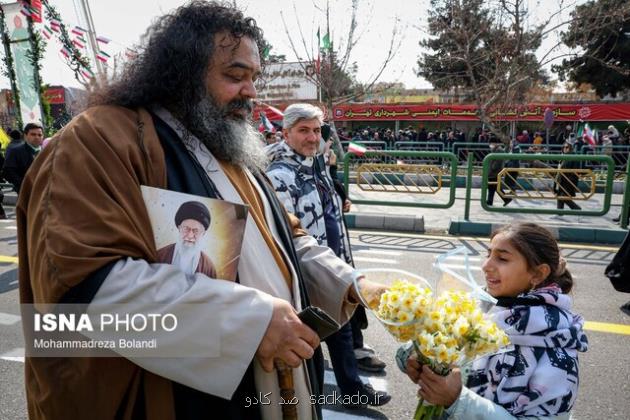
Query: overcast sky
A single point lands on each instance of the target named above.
(123, 21)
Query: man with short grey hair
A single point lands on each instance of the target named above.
(298, 173)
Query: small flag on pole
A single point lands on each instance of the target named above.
(588, 135)
(318, 62)
(357, 149)
(265, 124)
(326, 44)
(103, 40)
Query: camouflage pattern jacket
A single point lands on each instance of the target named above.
(305, 188)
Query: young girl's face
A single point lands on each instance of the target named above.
(506, 270)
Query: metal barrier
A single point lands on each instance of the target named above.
(536, 180)
(394, 177)
(544, 182)
(477, 150)
(411, 179)
(618, 153)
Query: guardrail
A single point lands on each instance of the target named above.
(619, 153)
(546, 175)
(395, 176)
(536, 180)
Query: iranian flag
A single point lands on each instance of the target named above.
(265, 124)
(77, 30)
(588, 135)
(78, 43)
(55, 25)
(102, 56)
(47, 32)
(357, 149)
(66, 52)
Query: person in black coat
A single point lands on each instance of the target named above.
(566, 183)
(493, 175)
(16, 139)
(20, 158)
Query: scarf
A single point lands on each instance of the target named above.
(539, 375)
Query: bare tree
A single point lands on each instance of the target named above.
(495, 51)
(335, 75)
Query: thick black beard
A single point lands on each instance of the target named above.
(228, 137)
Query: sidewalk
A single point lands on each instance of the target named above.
(585, 229)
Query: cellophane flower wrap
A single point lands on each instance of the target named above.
(447, 320)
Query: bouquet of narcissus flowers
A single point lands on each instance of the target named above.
(445, 323)
(446, 330)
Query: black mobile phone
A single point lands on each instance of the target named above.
(319, 321)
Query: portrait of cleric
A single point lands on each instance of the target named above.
(191, 232)
(192, 220)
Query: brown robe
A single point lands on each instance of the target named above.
(80, 208)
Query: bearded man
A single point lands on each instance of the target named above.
(178, 118)
(192, 220)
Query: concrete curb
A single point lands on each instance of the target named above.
(562, 234)
(378, 221)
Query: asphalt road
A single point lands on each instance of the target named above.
(605, 368)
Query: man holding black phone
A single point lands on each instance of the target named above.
(298, 173)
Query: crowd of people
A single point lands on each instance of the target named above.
(610, 136)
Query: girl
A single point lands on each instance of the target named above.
(538, 378)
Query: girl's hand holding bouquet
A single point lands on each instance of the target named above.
(444, 322)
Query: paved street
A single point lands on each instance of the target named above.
(605, 368)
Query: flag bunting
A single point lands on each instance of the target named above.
(77, 30)
(66, 52)
(47, 32)
(55, 25)
(103, 56)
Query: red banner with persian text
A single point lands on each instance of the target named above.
(55, 95)
(446, 112)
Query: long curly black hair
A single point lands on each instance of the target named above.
(175, 54)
